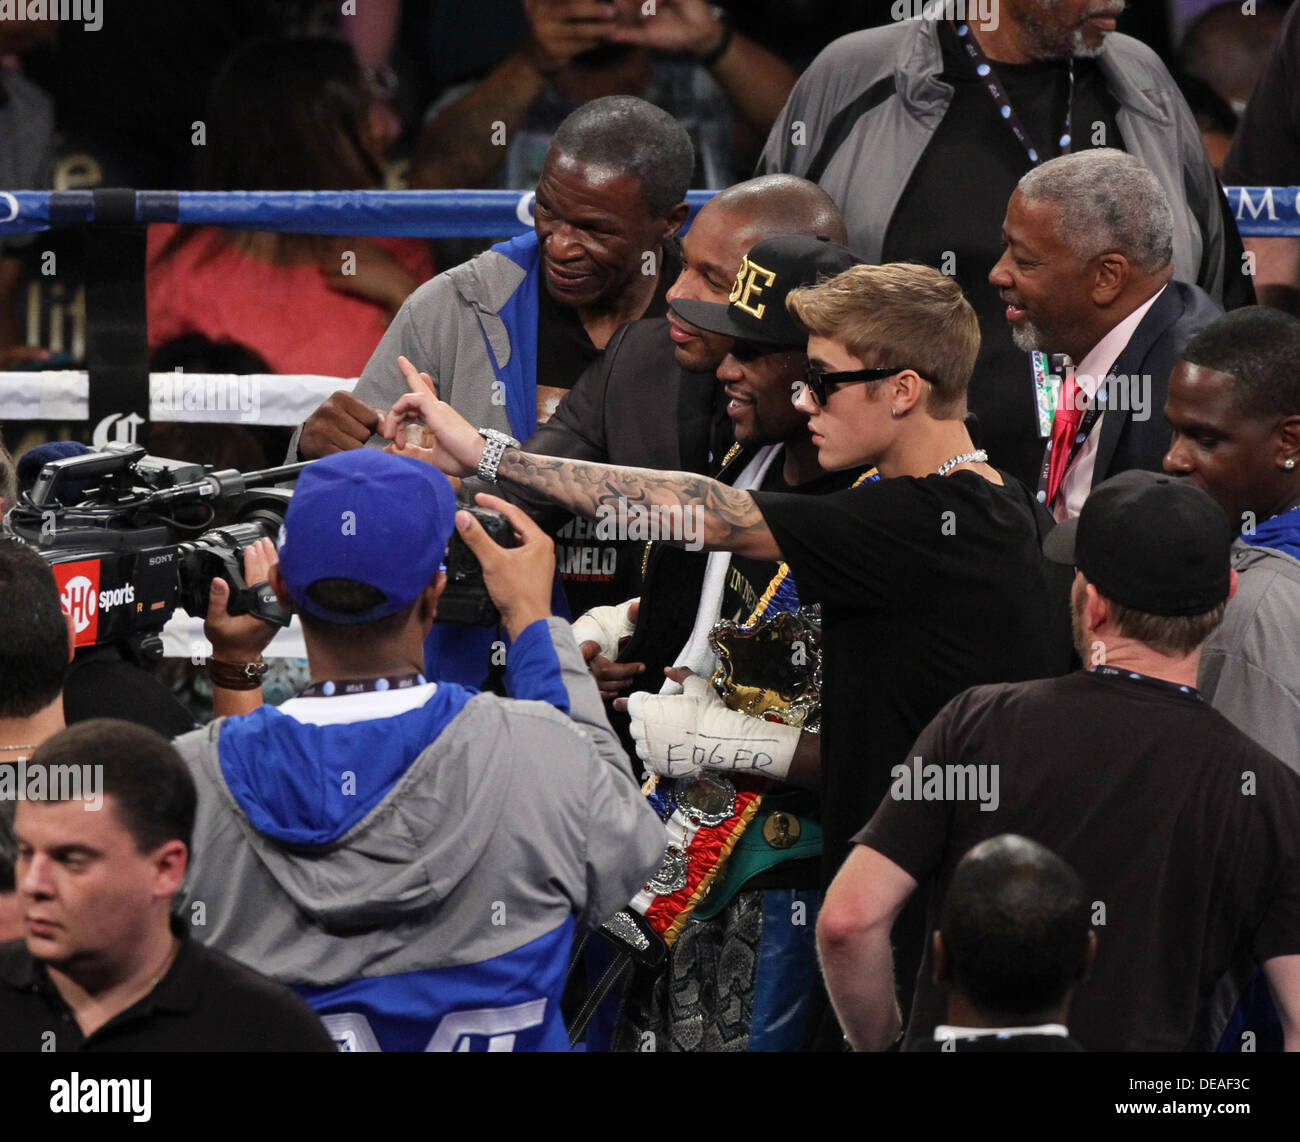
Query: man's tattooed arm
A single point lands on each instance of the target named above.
(721, 517)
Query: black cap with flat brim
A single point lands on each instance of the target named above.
(1151, 542)
(757, 311)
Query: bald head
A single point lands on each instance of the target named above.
(776, 204)
(728, 226)
(1015, 928)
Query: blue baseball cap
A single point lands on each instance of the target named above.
(34, 459)
(369, 516)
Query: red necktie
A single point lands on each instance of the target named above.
(1065, 425)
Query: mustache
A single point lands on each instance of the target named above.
(1112, 10)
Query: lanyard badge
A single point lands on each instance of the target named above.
(1048, 375)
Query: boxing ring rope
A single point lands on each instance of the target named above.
(117, 384)
(369, 213)
(286, 400)
(1260, 211)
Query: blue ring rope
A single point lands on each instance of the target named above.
(1260, 211)
(389, 213)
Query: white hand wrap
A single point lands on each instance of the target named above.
(678, 735)
(606, 626)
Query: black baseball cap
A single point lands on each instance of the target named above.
(1152, 542)
(768, 273)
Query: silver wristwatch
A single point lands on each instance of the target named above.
(493, 450)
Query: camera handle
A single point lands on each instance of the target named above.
(258, 599)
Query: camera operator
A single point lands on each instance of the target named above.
(35, 647)
(407, 853)
(36, 650)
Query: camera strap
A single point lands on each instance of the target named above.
(362, 686)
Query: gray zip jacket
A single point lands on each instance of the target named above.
(860, 117)
(441, 328)
(1250, 666)
(448, 879)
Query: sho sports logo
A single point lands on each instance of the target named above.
(79, 593)
(82, 599)
(117, 597)
(80, 602)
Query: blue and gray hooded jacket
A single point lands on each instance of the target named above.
(417, 877)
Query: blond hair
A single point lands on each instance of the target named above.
(902, 315)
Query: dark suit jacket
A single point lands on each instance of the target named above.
(1179, 313)
(635, 406)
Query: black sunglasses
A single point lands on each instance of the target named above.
(823, 384)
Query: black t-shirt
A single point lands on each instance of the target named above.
(205, 1002)
(563, 348)
(1181, 828)
(670, 595)
(927, 586)
(1266, 148)
(950, 216)
(748, 578)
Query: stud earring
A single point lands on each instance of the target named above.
(894, 413)
(1289, 465)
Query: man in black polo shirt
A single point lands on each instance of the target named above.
(1186, 833)
(103, 834)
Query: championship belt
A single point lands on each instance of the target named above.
(770, 668)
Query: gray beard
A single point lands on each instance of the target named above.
(1052, 43)
(1028, 337)
(1081, 49)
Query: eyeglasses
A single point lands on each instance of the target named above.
(823, 384)
(747, 351)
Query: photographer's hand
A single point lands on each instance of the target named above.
(456, 444)
(518, 578)
(238, 640)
